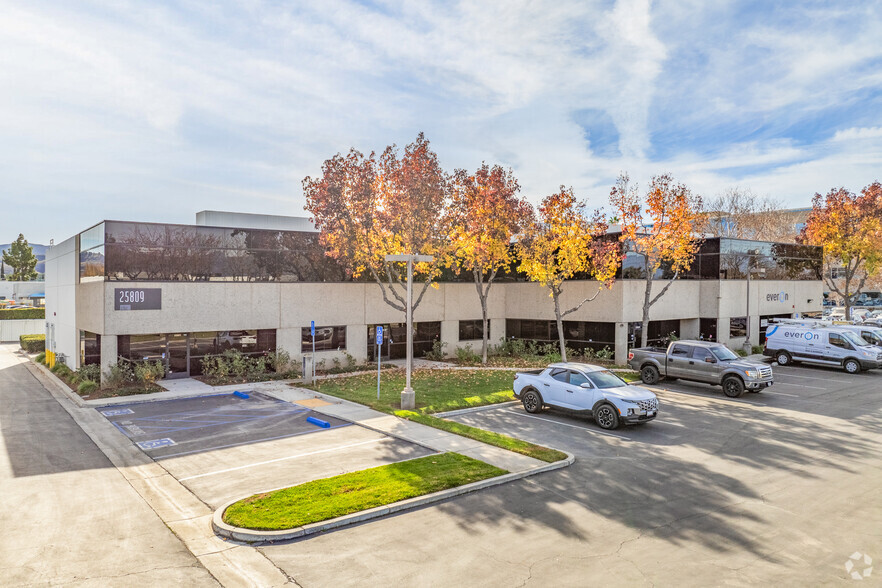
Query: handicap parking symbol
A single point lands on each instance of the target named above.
(155, 443)
(117, 412)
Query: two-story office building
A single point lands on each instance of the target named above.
(179, 293)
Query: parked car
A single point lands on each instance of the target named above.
(242, 340)
(832, 345)
(586, 389)
(701, 361)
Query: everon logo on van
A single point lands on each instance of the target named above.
(778, 297)
(808, 336)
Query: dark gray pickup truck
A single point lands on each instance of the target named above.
(701, 361)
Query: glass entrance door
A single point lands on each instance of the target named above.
(178, 355)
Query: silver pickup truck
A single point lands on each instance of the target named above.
(701, 361)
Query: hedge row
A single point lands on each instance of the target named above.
(9, 314)
(33, 343)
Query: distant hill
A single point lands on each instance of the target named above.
(39, 252)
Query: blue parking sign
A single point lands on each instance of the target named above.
(312, 328)
(379, 335)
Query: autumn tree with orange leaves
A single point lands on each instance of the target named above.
(367, 207)
(660, 229)
(486, 214)
(849, 227)
(564, 243)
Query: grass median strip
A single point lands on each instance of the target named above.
(329, 498)
(437, 390)
(489, 437)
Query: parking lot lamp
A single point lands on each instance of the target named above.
(408, 399)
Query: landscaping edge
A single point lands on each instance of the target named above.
(253, 536)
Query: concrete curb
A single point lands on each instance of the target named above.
(57, 382)
(460, 411)
(253, 536)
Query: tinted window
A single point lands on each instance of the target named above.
(700, 353)
(606, 379)
(560, 375)
(680, 350)
(577, 379)
(326, 338)
(838, 341)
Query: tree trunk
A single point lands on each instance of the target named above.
(644, 331)
(560, 332)
(483, 295)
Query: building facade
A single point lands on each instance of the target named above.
(179, 293)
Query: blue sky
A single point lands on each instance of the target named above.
(156, 110)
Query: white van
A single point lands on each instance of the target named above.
(869, 333)
(832, 346)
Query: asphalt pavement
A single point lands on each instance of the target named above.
(68, 517)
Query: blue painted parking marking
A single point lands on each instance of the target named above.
(318, 422)
(117, 412)
(155, 444)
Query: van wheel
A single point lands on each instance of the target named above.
(852, 366)
(532, 402)
(649, 374)
(607, 417)
(783, 358)
(733, 387)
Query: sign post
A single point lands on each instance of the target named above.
(312, 332)
(379, 343)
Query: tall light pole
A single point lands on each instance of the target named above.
(408, 398)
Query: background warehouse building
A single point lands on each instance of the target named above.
(179, 293)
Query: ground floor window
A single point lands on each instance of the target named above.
(707, 329)
(182, 353)
(659, 333)
(472, 330)
(90, 348)
(764, 324)
(578, 335)
(326, 339)
(395, 339)
(737, 326)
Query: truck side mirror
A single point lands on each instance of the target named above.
(710, 360)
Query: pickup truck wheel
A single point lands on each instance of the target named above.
(532, 402)
(852, 366)
(649, 374)
(783, 358)
(733, 387)
(606, 416)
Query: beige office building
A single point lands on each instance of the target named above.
(179, 293)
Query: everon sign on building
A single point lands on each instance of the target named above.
(180, 293)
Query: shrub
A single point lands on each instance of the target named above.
(22, 313)
(41, 357)
(467, 355)
(605, 353)
(90, 372)
(62, 371)
(437, 352)
(33, 343)
(121, 373)
(86, 387)
(148, 372)
(757, 349)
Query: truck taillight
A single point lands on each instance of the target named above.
(630, 355)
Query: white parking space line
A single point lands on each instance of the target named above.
(825, 377)
(781, 393)
(260, 463)
(709, 398)
(799, 385)
(529, 416)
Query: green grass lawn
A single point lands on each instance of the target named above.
(436, 390)
(329, 498)
(489, 437)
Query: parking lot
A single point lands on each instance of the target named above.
(225, 446)
(776, 487)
